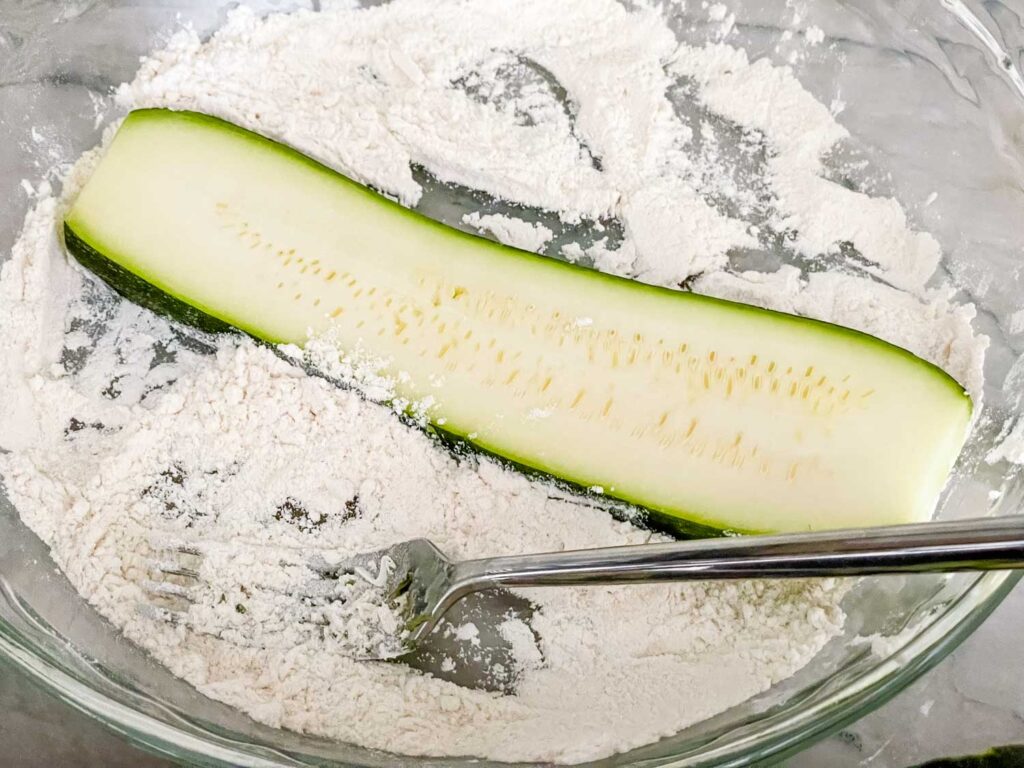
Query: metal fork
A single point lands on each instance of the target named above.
(428, 584)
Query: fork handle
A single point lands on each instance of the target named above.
(962, 545)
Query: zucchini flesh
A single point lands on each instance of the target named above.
(707, 411)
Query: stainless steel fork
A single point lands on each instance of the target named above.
(426, 584)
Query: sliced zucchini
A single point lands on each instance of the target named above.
(717, 413)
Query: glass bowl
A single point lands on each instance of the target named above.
(933, 98)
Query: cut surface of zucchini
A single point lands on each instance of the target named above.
(703, 410)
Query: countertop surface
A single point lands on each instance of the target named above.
(972, 701)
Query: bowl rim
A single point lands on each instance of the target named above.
(786, 730)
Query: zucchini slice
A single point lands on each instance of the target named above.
(707, 411)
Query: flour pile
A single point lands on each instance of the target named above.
(122, 430)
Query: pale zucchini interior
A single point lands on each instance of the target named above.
(714, 412)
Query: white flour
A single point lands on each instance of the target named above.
(510, 231)
(123, 433)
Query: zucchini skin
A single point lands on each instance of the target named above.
(138, 291)
(620, 509)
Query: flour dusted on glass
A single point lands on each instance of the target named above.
(125, 432)
(511, 231)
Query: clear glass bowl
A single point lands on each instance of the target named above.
(933, 98)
